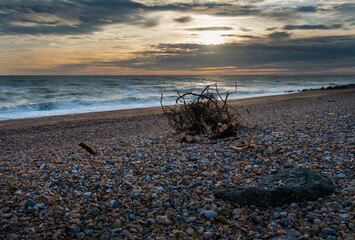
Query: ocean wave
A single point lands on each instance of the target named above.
(37, 96)
(77, 106)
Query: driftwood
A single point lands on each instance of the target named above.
(249, 143)
(206, 114)
(87, 148)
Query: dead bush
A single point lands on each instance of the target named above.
(205, 114)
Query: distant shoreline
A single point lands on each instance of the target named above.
(336, 87)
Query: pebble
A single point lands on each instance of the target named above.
(293, 205)
(30, 202)
(116, 224)
(347, 203)
(341, 175)
(144, 184)
(29, 230)
(190, 231)
(105, 235)
(127, 234)
(89, 232)
(189, 219)
(344, 215)
(72, 230)
(329, 231)
(208, 214)
(208, 235)
(80, 235)
(150, 221)
(163, 220)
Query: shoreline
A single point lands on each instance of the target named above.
(133, 112)
(50, 109)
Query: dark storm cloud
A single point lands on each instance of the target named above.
(86, 16)
(347, 8)
(217, 8)
(184, 19)
(296, 54)
(210, 29)
(313, 27)
(279, 35)
(306, 9)
(68, 17)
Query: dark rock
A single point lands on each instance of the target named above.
(189, 219)
(89, 232)
(150, 221)
(105, 235)
(336, 87)
(329, 231)
(30, 202)
(347, 203)
(331, 238)
(72, 230)
(208, 214)
(29, 230)
(285, 187)
(291, 234)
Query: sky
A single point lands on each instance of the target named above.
(136, 37)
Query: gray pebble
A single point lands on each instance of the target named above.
(209, 214)
(105, 235)
(89, 232)
(329, 231)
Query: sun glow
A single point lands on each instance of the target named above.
(212, 37)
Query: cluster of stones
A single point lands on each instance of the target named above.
(144, 184)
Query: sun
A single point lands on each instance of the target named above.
(213, 37)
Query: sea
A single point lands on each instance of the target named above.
(39, 96)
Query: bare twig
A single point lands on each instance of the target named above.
(249, 143)
(87, 148)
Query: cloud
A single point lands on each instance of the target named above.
(63, 17)
(296, 54)
(312, 27)
(210, 29)
(184, 19)
(279, 35)
(244, 29)
(68, 17)
(240, 36)
(217, 8)
(306, 9)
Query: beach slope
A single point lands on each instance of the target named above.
(144, 183)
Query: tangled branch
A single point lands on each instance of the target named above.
(206, 114)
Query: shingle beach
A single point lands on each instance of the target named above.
(145, 184)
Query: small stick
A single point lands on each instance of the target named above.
(249, 144)
(276, 150)
(242, 148)
(87, 148)
(252, 135)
